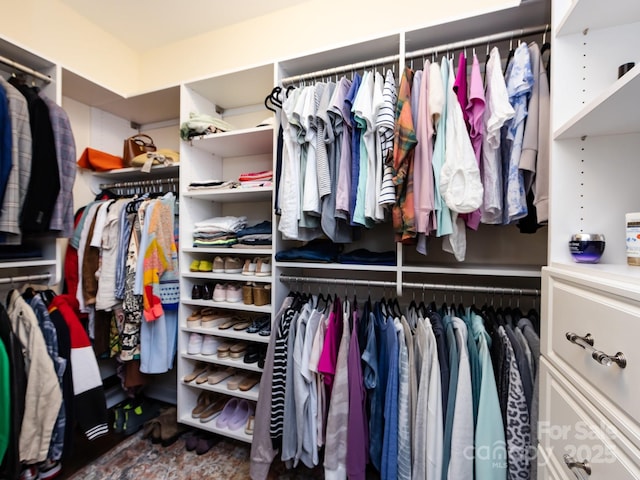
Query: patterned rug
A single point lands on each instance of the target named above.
(138, 458)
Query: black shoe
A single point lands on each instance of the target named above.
(207, 291)
(196, 292)
(262, 356)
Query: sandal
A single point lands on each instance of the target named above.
(202, 378)
(199, 368)
(229, 324)
(219, 375)
(243, 325)
(252, 354)
(249, 382)
(193, 320)
(203, 401)
(223, 350)
(258, 324)
(234, 382)
(249, 428)
(237, 349)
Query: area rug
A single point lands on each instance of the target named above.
(140, 459)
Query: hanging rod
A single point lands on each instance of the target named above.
(25, 69)
(141, 183)
(422, 286)
(341, 69)
(487, 39)
(26, 279)
(511, 34)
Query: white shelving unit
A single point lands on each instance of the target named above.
(595, 140)
(49, 261)
(238, 98)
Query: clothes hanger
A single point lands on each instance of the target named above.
(545, 45)
(509, 56)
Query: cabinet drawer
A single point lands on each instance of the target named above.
(613, 323)
(570, 425)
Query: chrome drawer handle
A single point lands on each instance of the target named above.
(573, 464)
(599, 356)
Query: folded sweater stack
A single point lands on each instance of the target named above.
(218, 231)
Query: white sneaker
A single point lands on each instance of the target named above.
(220, 293)
(234, 293)
(209, 345)
(194, 346)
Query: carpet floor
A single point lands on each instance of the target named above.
(140, 459)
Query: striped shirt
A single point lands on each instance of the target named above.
(385, 124)
(280, 377)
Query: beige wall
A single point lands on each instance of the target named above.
(54, 31)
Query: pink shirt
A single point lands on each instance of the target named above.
(329, 356)
(475, 113)
(423, 174)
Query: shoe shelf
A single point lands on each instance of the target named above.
(230, 277)
(251, 394)
(211, 427)
(265, 252)
(227, 305)
(228, 362)
(229, 333)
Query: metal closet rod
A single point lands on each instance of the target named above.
(474, 42)
(141, 183)
(26, 279)
(25, 69)
(422, 286)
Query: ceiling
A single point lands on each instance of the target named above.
(147, 24)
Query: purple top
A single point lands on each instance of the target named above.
(357, 429)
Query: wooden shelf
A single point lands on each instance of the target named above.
(237, 143)
(596, 14)
(611, 113)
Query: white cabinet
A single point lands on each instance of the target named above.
(595, 139)
(45, 266)
(237, 98)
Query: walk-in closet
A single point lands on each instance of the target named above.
(349, 244)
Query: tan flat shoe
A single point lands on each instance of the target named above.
(219, 375)
(248, 383)
(197, 371)
(203, 401)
